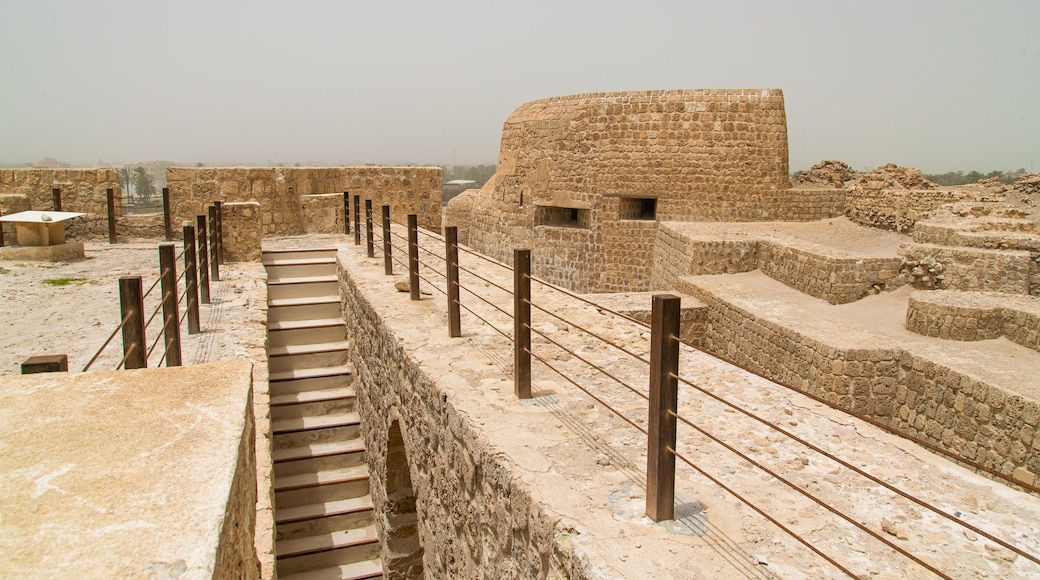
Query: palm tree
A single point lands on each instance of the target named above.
(144, 183)
(125, 180)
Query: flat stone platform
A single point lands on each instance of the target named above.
(128, 474)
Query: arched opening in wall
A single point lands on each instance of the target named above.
(404, 551)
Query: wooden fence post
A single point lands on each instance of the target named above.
(369, 236)
(664, 392)
(214, 265)
(346, 212)
(388, 247)
(191, 280)
(413, 255)
(46, 363)
(522, 323)
(167, 225)
(451, 253)
(203, 253)
(219, 227)
(357, 220)
(131, 303)
(56, 197)
(168, 288)
(111, 215)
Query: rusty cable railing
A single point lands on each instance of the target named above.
(108, 341)
(673, 414)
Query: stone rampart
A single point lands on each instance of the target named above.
(975, 269)
(82, 190)
(584, 178)
(279, 191)
(920, 398)
(975, 316)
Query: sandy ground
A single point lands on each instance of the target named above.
(37, 317)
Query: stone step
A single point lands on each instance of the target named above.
(308, 348)
(357, 570)
(319, 464)
(300, 268)
(328, 477)
(304, 324)
(306, 335)
(296, 376)
(323, 509)
(322, 407)
(282, 310)
(330, 541)
(314, 396)
(277, 365)
(302, 287)
(349, 446)
(322, 494)
(293, 439)
(314, 422)
(309, 253)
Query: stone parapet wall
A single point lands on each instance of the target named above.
(82, 190)
(476, 516)
(322, 213)
(921, 399)
(896, 209)
(976, 269)
(998, 234)
(975, 316)
(241, 224)
(279, 191)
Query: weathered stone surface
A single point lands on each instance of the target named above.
(241, 224)
(132, 474)
(82, 190)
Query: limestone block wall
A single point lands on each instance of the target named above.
(278, 190)
(836, 279)
(923, 400)
(975, 316)
(895, 209)
(475, 518)
(241, 224)
(82, 190)
(1009, 271)
(322, 213)
(584, 160)
(993, 233)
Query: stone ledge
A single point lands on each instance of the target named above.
(970, 316)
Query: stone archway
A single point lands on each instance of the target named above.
(403, 556)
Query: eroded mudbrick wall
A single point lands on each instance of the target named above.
(82, 190)
(584, 180)
(278, 190)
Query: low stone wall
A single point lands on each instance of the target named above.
(921, 399)
(895, 209)
(82, 190)
(975, 316)
(992, 233)
(978, 269)
(279, 191)
(322, 213)
(241, 224)
(475, 519)
(836, 279)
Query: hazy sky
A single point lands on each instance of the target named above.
(940, 85)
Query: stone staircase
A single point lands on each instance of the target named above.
(325, 526)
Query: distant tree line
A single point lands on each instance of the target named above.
(962, 178)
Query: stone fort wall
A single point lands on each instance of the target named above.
(284, 193)
(584, 180)
(82, 190)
